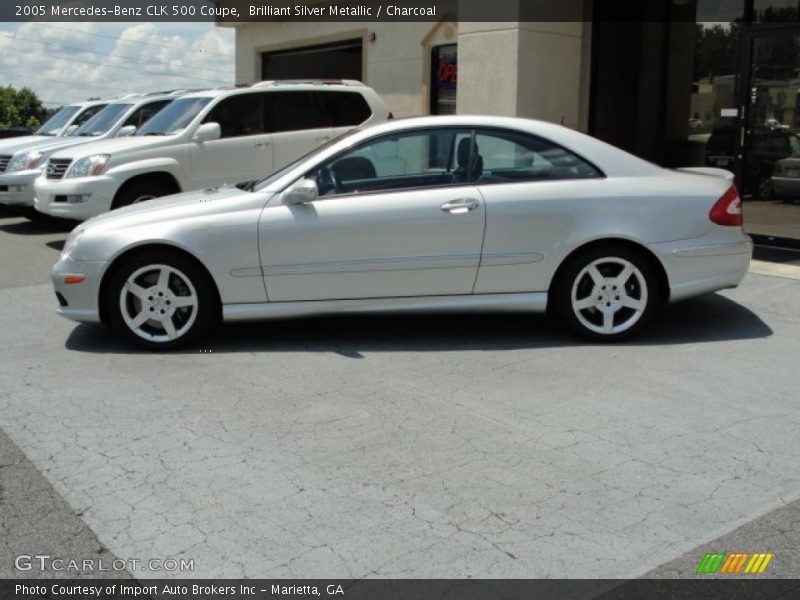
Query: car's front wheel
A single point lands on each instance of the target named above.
(607, 294)
(160, 300)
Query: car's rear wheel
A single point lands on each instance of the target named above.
(161, 301)
(607, 294)
(140, 191)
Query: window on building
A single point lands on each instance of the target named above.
(444, 79)
(341, 60)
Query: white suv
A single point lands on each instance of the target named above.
(205, 139)
(19, 170)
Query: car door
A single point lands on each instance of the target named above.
(533, 189)
(242, 153)
(412, 226)
(297, 123)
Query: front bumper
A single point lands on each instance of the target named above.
(16, 188)
(58, 197)
(78, 301)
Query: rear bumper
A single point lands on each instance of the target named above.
(704, 265)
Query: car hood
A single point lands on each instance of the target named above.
(115, 145)
(204, 203)
(14, 145)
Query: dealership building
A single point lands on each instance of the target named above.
(678, 82)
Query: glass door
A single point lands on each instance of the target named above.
(769, 170)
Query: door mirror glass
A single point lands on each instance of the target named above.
(126, 131)
(301, 192)
(208, 132)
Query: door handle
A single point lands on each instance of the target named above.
(262, 144)
(460, 206)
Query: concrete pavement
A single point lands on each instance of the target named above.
(410, 446)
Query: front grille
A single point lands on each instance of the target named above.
(4, 160)
(56, 167)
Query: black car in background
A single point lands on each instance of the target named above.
(766, 146)
(14, 132)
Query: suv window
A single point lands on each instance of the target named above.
(239, 115)
(88, 114)
(142, 114)
(417, 159)
(345, 108)
(294, 111)
(505, 156)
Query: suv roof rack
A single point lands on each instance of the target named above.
(275, 82)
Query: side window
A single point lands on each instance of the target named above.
(419, 159)
(88, 114)
(294, 111)
(239, 115)
(345, 108)
(142, 114)
(505, 156)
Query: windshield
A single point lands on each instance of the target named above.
(267, 181)
(103, 120)
(58, 121)
(174, 117)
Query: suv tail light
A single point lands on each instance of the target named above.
(728, 209)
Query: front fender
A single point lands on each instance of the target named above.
(128, 170)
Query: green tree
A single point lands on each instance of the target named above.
(20, 108)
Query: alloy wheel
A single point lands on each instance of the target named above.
(609, 296)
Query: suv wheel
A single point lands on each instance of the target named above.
(140, 191)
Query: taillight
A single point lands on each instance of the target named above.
(728, 209)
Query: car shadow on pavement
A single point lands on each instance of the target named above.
(711, 318)
(43, 227)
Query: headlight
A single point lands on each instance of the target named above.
(72, 239)
(25, 161)
(88, 167)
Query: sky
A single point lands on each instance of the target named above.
(69, 62)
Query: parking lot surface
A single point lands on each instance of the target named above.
(457, 446)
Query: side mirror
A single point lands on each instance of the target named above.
(301, 192)
(70, 130)
(207, 132)
(126, 131)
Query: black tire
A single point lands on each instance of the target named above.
(140, 191)
(642, 288)
(765, 190)
(151, 334)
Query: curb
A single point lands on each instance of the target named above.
(761, 267)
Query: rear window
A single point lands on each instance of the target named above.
(294, 111)
(345, 108)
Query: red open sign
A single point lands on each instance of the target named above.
(448, 72)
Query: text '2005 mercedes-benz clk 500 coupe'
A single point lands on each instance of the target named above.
(425, 214)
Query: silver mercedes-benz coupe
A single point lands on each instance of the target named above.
(425, 214)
